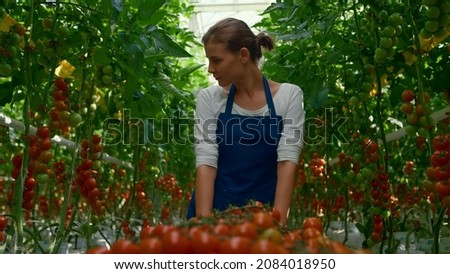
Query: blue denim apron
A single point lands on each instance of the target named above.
(247, 164)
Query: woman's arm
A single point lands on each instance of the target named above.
(204, 190)
(206, 152)
(289, 149)
(285, 186)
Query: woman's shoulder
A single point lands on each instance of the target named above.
(290, 87)
(212, 93)
(289, 91)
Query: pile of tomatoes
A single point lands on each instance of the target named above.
(245, 230)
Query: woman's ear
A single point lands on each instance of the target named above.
(244, 55)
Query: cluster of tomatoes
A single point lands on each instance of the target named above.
(417, 113)
(247, 230)
(439, 169)
(437, 19)
(370, 150)
(389, 35)
(169, 184)
(143, 201)
(54, 42)
(61, 118)
(87, 172)
(317, 167)
(10, 41)
(38, 167)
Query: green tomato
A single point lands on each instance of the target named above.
(14, 38)
(444, 20)
(12, 50)
(15, 63)
(422, 132)
(63, 31)
(432, 25)
(383, 15)
(75, 120)
(386, 42)
(389, 31)
(366, 86)
(410, 130)
(425, 34)
(5, 70)
(353, 101)
(395, 19)
(433, 12)
(106, 79)
(380, 54)
(42, 178)
(108, 69)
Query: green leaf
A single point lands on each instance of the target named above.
(101, 57)
(147, 9)
(164, 81)
(153, 20)
(164, 42)
(188, 70)
(135, 57)
(319, 100)
(273, 7)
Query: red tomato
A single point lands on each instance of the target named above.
(98, 250)
(313, 222)
(222, 230)
(43, 132)
(441, 142)
(263, 220)
(122, 246)
(440, 158)
(276, 214)
(175, 242)
(204, 243)
(151, 246)
(375, 236)
(264, 246)
(235, 245)
(311, 233)
(291, 238)
(442, 188)
(2, 237)
(336, 247)
(3, 223)
(408, 95)
(60, 83)
(246, 229)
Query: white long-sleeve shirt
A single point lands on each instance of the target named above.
(211, 101)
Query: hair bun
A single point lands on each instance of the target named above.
(265, 40)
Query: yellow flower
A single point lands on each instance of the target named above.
(64, 70)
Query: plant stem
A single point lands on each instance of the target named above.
(419, 66)
(19, 183)
(437, 230)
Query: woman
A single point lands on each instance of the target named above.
(248, 129)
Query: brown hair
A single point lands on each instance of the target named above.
(236, 34)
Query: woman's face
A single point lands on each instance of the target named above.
(224, 65)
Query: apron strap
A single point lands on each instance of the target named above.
(269, 99)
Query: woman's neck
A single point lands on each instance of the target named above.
(250, 83)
